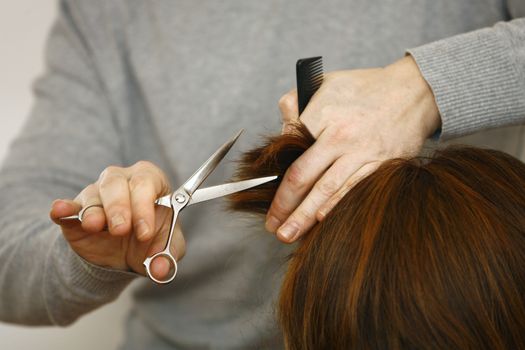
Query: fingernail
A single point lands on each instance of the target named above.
(142, 229)
(117, 220)
(288, 231)
(272, 223)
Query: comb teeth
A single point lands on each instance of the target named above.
(309, 79)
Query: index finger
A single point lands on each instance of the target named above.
(298, 180)
(146, 185)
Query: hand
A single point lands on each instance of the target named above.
(359, 118)
(137, 228)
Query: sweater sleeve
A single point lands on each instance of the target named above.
(68, 139)
(478, 78)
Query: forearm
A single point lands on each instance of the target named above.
(43, 281)
(69, 139)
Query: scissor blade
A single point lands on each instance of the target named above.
(202, 173)
(212, 192)
(71, 217)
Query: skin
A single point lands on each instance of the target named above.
(359, 119)
(129, 227)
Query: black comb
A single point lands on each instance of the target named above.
(309, 78)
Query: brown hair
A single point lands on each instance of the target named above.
(423, 253)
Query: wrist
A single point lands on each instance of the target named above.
(419, 92)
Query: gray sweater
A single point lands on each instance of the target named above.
(169, 81)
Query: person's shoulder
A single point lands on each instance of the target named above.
(100, 24)
(97, 15)
(96, 7)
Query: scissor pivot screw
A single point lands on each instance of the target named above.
(180, 198)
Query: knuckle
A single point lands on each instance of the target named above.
(111, 170)
(327, 188)
(278, 208)
(294, 177)
(339, 133)
(118, 208)
(326, 208)
(162, 178)
(108, 172)
(106, 183)
(151, 173)
(144, 164)
(286, 102)
(321, 214)
(137, 182)
(303, 216)
(88, 193)
(90, 189)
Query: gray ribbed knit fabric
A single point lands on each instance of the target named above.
(474, 92)
(169, 81)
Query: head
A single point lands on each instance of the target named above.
(423, 253)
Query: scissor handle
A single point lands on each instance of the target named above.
(80, 215)
(173, 266)
(179, 200)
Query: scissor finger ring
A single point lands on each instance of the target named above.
(83, 210)
(173, 266)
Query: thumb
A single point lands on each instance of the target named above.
(161, 266)
(61, 208)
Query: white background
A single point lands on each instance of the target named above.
(24, 25)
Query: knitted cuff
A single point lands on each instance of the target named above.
(73, 286)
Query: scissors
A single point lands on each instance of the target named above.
(189, 194)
